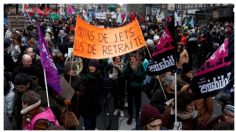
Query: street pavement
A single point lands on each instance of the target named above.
(117, 123)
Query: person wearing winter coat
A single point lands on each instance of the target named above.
(151, 118)
(186, 112)
(118, 85)
(89, 101)
(9, 63)
(204, 106)
(36, 117)
(135, 75)
(27, 67)
(75, 82)
(227, 117)
(22, 84)
(160, 96)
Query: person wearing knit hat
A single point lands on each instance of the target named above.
(228, 113)
(36, 117)
(151, 118)
(90, 100)
(227, 117)
(93, 65)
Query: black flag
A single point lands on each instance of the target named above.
(217, 72)
(164, 55)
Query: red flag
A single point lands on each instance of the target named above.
(25, 7)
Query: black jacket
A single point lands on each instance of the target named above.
(90, 100)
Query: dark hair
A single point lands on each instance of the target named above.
(133, 55)
(21, 79)
(115, 58)
(183, 99)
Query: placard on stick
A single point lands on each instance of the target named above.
(17, 22)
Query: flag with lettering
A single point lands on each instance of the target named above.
(53, 79)
(216, 73)
(163, 56)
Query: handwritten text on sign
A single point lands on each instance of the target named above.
(98, 43)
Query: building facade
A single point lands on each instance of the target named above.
(204, 13)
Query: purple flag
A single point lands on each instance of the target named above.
(53, 79)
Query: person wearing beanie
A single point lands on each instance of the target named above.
(24, 83)
(90, 100)
(151, 118)
(228, 114)
(226, 117)
(36, 117)
(93, 63)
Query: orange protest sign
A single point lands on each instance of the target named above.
(98, 43)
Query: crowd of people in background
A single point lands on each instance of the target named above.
(24, 84)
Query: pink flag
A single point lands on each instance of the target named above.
(164, 44)
(70, 10)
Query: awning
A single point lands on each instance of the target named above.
(40, 12)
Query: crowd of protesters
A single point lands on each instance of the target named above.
(25, 91)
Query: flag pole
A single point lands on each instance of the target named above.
(161, 87)
(148, 51)
(46, 86)
(175, 97)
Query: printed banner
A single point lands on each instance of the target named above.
(216, 73)
(98, 43)
(17, 22)
(163, 57)
(53, 79)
